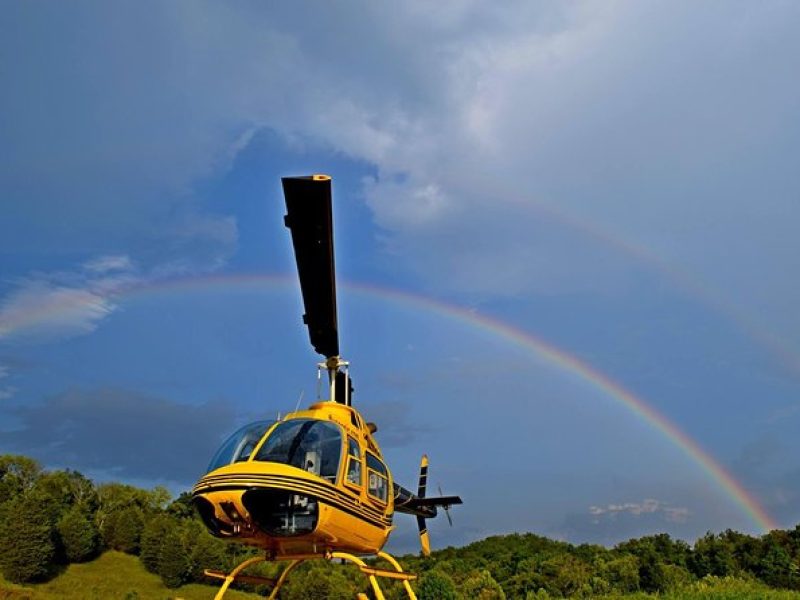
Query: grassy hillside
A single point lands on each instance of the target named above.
(113, 576)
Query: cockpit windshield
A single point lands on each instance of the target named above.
(240, 445)
(309, 444)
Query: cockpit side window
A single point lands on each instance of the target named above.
(309, 444)
(353, 462)
(240, 445)
(377, 480)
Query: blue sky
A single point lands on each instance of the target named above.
(618, 180)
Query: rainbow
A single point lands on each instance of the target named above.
(551, 354)
(681, 279)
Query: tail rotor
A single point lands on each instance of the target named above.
(446, 508)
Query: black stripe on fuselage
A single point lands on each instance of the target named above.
(320, 488)
(292, 484)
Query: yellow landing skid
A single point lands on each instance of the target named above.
(372, 574)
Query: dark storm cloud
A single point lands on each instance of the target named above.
(120, 432)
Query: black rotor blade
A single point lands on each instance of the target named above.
(310, 219)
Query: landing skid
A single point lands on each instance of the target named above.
(372, 574)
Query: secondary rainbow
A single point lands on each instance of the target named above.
(550, 353)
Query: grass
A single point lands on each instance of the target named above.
(112, 576)
(716, 588)
(118, 576)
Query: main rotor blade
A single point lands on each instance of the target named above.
(310, 219)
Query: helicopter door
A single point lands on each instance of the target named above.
(354, 463)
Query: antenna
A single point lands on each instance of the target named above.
(299, 400)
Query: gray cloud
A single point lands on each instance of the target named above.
(603, 114)
(645, 507)
(612, 523)
(121, 433)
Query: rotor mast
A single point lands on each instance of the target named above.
(310, 219)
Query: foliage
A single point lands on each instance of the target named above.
(152, 534)
(173, 565)
(436, 585)
(482, 586)
(78, 535)
(319, 582)
(26, 542)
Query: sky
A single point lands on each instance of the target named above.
(566, 242)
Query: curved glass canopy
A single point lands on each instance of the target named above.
(309, 444)
(240, 445)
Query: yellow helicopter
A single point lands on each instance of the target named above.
(314, 483)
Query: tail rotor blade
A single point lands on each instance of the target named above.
(423, 476)
(424, 538)
(446, 508)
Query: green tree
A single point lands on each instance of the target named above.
(124, 529)
(482, 586)
(713, 555)
(173, 562)
(436, 585)
(17, 474)
(207, 552)
(777, 569)
(153, 533)
(78, 534)
(320, 582)
(623, 573)
(26, 542)
(652, 576)
(182, 507)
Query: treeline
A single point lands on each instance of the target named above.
(51, 519)
(530, 566)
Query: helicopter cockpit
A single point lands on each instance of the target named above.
(240, 445)
(309, 444)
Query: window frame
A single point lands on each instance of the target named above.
(265, 440)
(383, 475)
(351, 457)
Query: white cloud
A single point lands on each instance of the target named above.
(113, 262)
(41, 309)
(649, 506)
(668, 125)
(62, 304)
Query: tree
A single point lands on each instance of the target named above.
(78, 534)
(779, 570)
(623, 573)
(436, 585)
(482, 586)
(207, 552)
(114, 498)
(320, 582)
(17, 474)
(173, 563)
(127, 530)
(26, 542)
(150, 543)
(712, 555)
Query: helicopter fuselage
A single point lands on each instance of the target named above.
(314, 482)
